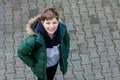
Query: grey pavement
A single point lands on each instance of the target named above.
(94, 27)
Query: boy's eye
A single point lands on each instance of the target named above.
(47, 22)
(54, 22)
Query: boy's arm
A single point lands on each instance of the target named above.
(25, 50)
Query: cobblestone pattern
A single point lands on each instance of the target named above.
(94, 27)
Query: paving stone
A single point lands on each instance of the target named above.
(8, 4)
(101, 14)
(105, 68)
(95, 63)
(99, 6)
(97, 1)
(118, 51)
(106, 3)
(59, 77)
(9, 57)
(91, 42)
(74, 45)
(75, 55)
(77, 66)
(85, 59)
(69, 74)
(25, 19)
(73, 4)
(10, 76)
(41, 8)
(103, 56)
(98, 74)
(93, 19)
(84, 16)
(112, 60)
(1, 43)
(83, 48)
(19, 72)
(8, 20)
(10, 68)
(24, 8)
(96, 28)
(117, 44)
(70, 26)
(79, 30)
(87, 70)
(88, 33)
(17, 24)
(91, 11)
(90, 4)
(110, 18)
(83, 8)
(70, 78)
(91, 77)
(81, 39)
(100, 46)
(65, 3)
(103, 22)
(2, 74)
(108, 41)
(72, 36)
(79, 75)
(113, 26)
(77, 21)
(9, 28)
(111, 50)
(93, 52)
(68, 18)
(116, 13)
(115, 5)
(32, 5)
(66, 10)
(115, 71)
(20, 78)
(86, 24)
(108, 10)
(108, 76)
(29, 75)
(33, 12)
(106, 32)
(18, 62)
(2, 65)
(75, 12)
(116, 78)
(118, 21)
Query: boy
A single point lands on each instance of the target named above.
(46, 46)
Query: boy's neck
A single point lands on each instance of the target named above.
(51, 36)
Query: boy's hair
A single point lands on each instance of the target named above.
(49, 13)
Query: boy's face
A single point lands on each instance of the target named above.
(50, 26)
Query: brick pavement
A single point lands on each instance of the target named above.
(94, 27)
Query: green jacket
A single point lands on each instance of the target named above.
(36, 58)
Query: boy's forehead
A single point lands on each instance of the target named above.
(53, 19)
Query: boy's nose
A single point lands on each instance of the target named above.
(51, 25)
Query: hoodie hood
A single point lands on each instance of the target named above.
(32, 22)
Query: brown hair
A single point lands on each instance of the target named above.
(49, 13)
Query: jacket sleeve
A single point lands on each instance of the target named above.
(66, 51)
(25, 49)
(67, 42)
